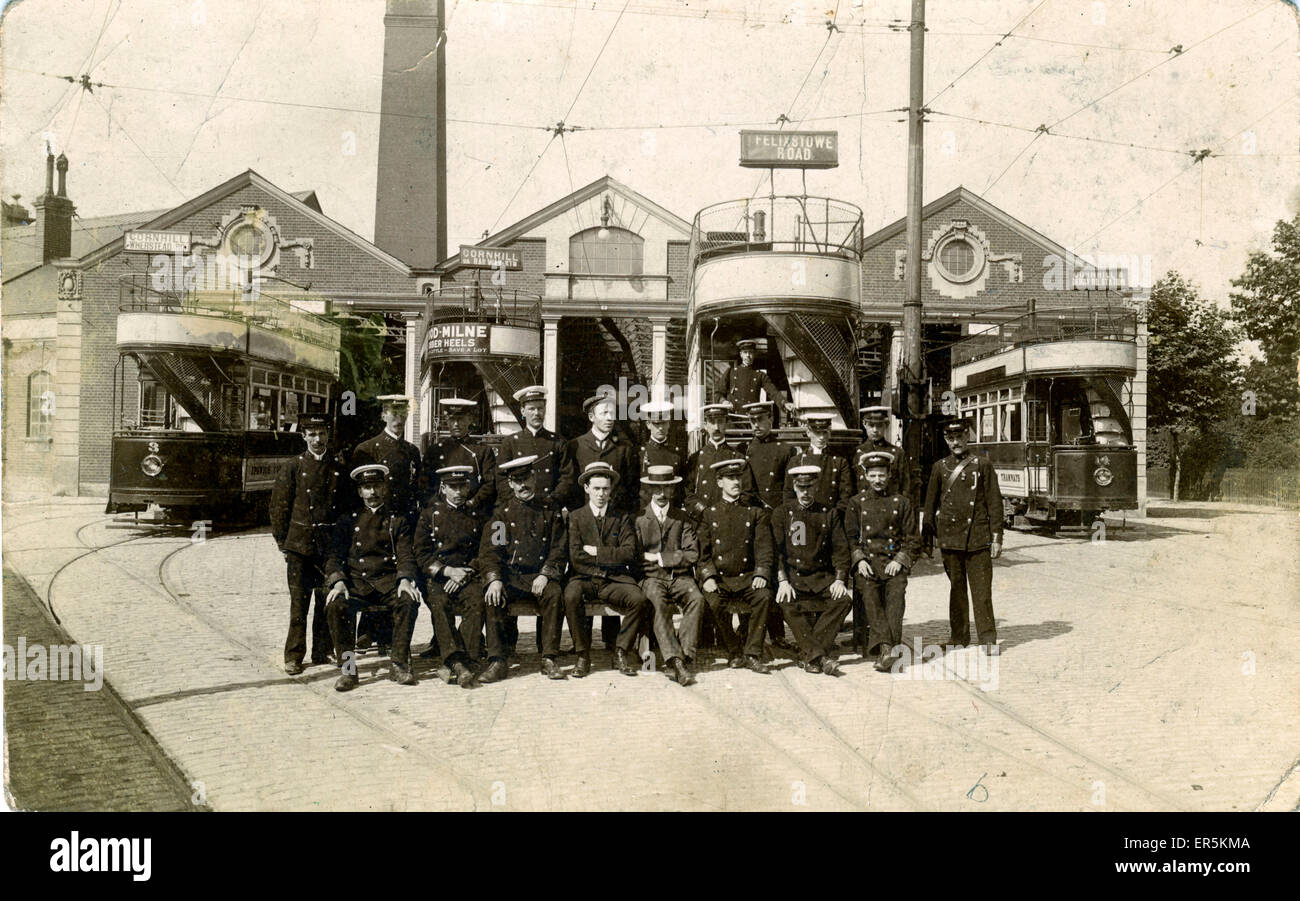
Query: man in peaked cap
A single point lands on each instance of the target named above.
(884, 542)
(522, 553)
(305, 503)
(446, 543)
(458, 449)
(742, 383)
(670, 549)
(534, 439)
(812, 567)
(603, 557)
(965, 504)
(736, 563)
(902, 477)
(701, 477)
(835, 484)
(659, 449)
(371, 564)
(768, 461)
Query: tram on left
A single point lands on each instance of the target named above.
(206, 393)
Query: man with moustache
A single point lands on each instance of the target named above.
(702, 486)
(458, 449)
(669, 546)
(902, 478)
(835, 482)
(659, 450)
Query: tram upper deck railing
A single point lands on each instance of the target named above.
(1049, 325)
(486, 303)
(261, 308)
(788, 223)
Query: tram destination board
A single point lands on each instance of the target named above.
(508, 258)
(771, 149)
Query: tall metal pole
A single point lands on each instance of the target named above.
(913, 414)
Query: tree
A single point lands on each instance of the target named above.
(1267, 306)
(1193, 376)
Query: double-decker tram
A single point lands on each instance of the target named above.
(1047, 397)
(207, 392)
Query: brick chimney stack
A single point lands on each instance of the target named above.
(54, 213)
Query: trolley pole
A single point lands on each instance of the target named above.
(912, 363)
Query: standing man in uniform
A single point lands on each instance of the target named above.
(534, 439)
(964, 503)
(522, 553)
(446, 543)
(902, 478)
(884, 543)
(736, 564)
(812, 567)
(402, 458)
(458, 449)
(835, 484)
(703, 489)
(603, 558)
(304, 505)
(768, 460)
(371, 563)
(668, 542)
(742, 383)
(658, 450)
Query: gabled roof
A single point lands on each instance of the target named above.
(564, 204)
(962, 193)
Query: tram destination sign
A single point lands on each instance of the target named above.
(789, 149)
(136, 241)
(508, 258)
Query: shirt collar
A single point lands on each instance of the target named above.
(391, 435)
(318, 457)
(597, 513)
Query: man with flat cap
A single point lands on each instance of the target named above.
(534, 439)
(371, 564)
(702, 487)
(902, 479)
(964, 503)
(742, 384)
(835, 482)
(736, 559)
(659, 449)
(670, 550)
(522, 553)
(884, 543)
(458, 449)
(305, 503)
(812, 569)
(603, 558)
(446, 543)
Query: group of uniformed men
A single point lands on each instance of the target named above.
(780, 534)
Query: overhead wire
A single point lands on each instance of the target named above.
(996, 44)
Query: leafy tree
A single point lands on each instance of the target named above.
(1193, 375)
(1267, 306)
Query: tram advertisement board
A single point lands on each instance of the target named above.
(460, 338)
(770, 149)
(261, 472)
(508, 258)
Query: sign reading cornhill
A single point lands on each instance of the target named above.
(156, 242)
(789, 149)
(459, 338)
(491, 258)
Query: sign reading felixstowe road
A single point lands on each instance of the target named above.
(156, 242)
(459, 338)
(490, 257)
(789, 149)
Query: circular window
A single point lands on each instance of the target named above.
(958, 257)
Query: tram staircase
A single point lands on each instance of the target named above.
(820, 365)
(195, 382)
(504, 379)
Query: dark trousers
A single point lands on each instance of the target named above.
(342, 615)
(461, 644)
(815, 619)
(624, 597)
(377, 626)
(975, 568)
(884, 600)
(662, 595)
(759, 601)
(305, 576)
(518, 591)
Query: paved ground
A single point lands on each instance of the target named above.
(1153, 670)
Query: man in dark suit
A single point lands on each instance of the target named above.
(812, 567)
(523, 550)
(964, 504)
(446, 543)
(659, 450)
(458, 449)
(534, 439)
(603, 556)
(701, 476)
(835, 484)
(736, 563)
(371, 564)
(668, 543)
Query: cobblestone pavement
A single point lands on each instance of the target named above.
(1152, 670)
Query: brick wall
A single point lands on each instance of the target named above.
(28, 462)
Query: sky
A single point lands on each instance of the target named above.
(188, 93)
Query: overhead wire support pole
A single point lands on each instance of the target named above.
(912, 412)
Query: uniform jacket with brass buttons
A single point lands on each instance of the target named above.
(403, 461)
(834, 485)
(702, 489)
(811, 548)
(305, 503)
(547, 446)
(675, 540)
(446, 536)
(614, 538)
(741, 385)
(903, 478)
(521, 540)
(735, 544)
(966, 512)
(482, 481)
(881, 528)
(371, 550)
(618, 453)
(769, 459)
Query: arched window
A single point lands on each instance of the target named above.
(606, 251)
(40, 404)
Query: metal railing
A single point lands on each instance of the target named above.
(1043, 326)
(798, 223)
(486, 303)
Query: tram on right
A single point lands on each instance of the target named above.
(1046, 396)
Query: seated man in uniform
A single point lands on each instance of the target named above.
(702, 490)
(371, 564)
(735, 564)
(835, 484)
(902, 479)
(602, 554)
(522, 554)
(812, 566)
(884, 543)
(446, 543)
(768, 460)
(670, 548)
